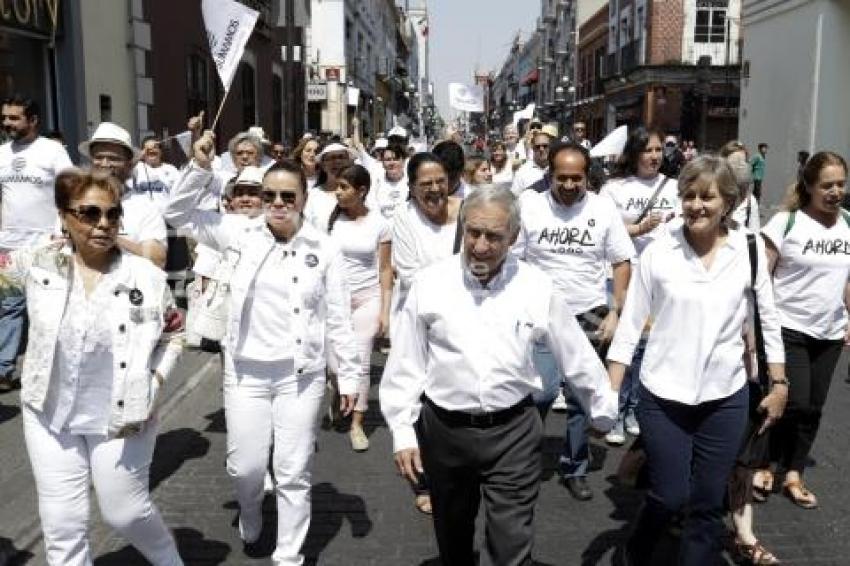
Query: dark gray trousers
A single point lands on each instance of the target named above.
(499, 464)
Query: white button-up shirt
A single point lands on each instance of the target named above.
(695, 349)
(470, 348)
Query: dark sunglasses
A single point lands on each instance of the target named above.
(246, 192)
(288, 197)
(91, 214)
(541, 146)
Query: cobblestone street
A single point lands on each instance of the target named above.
(363, 514)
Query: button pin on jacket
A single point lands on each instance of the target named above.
(136, 297)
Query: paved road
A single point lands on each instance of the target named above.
(363, 514)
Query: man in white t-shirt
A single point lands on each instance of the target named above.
(572, 234)
(143, 230)
(534, 170)
(29, 164)
(152, 177)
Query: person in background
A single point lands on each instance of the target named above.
(454, 161)
(277, 339)
(746, 213)
(102, 343)
(757, 163)
(477, 171)
(580, 135)
(510, 136)
(534, 171)
(305, 154)
(572, 235)
(696, 284)
(647, 200)
(363, 236)
(501, 164)
(673, 158)
(278, 151)
(321, 201)
(29, 164)
(151, 176)
(805, 244)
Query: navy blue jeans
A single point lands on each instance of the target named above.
(12, 311)
(690, 452)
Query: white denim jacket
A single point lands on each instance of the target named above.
(140, 298)
(324, 308)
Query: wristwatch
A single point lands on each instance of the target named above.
(780, 381)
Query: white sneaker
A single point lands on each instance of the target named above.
(632, 426)
(559, 405)
(268, 483)
(616, 436)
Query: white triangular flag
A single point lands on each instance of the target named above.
(612, 144)
(229, 25)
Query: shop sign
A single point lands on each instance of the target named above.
(317, 92)
(34, 16)
(723, 112)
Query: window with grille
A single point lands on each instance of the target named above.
(710, 21)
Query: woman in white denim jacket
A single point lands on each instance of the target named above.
(287, 294)
(91, 373)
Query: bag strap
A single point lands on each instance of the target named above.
(458, 232)
(651, 202)
(761, 353)
(790, 224)
(749, 209)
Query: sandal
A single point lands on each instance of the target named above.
(755, 553)
(762, 485)
(799, 495)
(423, 503)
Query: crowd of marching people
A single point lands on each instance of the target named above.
(639, 292)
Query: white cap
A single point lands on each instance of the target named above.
(259, 133)
(381, 143)
(550, 130)
(398, 131)
(250, 175)
(107, 132)
(332, 147)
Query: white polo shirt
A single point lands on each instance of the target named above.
(811, 273)
(573, 244)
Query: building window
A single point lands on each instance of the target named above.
(249, 97)
(711, 21)
(197, 91)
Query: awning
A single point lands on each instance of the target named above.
(532, 77)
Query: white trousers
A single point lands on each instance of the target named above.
(365, 319)
(63, 465)
(266, 404)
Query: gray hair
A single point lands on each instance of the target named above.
(245, 137)
(743, 173)
(493, 194)
(719, 172)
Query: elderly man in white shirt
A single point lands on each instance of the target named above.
(533, 171)
(459, 381)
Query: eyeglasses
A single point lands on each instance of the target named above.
(246, 192)
(91, 214)
(579, 129)
(287, 197)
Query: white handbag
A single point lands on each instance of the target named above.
(213, 307)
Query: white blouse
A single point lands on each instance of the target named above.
(695, 349)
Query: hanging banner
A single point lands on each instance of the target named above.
(229, 25)
(353, 96)
(466, 98)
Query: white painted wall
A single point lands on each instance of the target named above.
(109, 63)
(796, 95)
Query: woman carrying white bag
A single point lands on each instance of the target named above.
(287, 293)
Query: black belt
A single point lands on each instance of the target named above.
(478, 420)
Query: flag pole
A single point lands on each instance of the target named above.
(220, 108)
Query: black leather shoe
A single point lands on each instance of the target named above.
(578, 488)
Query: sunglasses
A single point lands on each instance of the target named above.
(287, 197)
(246, 192)
(91, 214)
(541, 146)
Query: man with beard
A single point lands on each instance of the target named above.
(143, 230)
(29, 164)
(534, 171)
(572, 234)
(458, 384)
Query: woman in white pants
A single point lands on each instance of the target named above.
(92, 372)
(287, 294)
(363, 236)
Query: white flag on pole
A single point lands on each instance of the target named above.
(184, 140)
(526, 113)
(229, 25)
(353, 96)
(612, 144)
(466, 98)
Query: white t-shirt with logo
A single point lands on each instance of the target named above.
(27, 176)
(631, 196)
(810, 275)
(359, 241)
(387, 196)
(153, 183)
(573, 244)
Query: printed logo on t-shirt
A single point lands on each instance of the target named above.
(18, 164)
(837, 246)
(155, 186)
(567, 239)
(640, 204)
